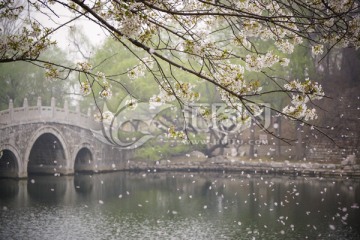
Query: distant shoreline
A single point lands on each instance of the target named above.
(246, 167)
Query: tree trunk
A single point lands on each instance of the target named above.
(216, 142)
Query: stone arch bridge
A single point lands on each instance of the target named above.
(52, 140)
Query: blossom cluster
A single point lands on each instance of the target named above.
(28, 44)
(106, 91)
(317, 49)
(232, 77)
(302, 93)
(105, 117)
(84, 66)
(85, 88)
(169, 93)
(99, 78)
(131, 103)
(166, 94)
(258, 62)
(174, 134)
(139, 70)
(51, 72)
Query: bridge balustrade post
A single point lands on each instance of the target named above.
(11, 110)
(66, 107)
(53, 104)
(66, 110)
(25, 105)
(38, 103)
(77, 117)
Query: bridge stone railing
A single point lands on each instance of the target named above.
(29, 114)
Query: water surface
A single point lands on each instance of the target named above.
(179, 206)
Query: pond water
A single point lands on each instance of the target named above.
(125, 205)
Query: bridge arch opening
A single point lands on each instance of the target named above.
(8, 164)
(84, 161)
(47, 155)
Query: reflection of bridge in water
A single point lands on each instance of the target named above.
(52, 140)
(162, 191)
